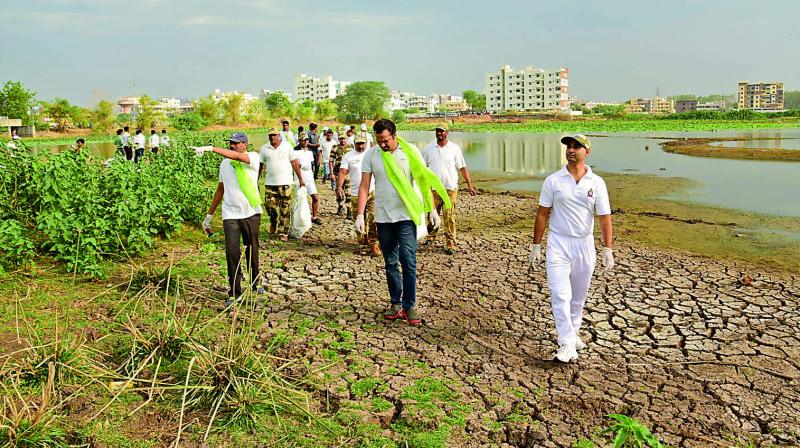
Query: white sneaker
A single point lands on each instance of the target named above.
(579, 344)
(566, 353)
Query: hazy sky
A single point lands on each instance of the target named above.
(85, 50)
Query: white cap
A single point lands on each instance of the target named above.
(363, 126)
(324, 128)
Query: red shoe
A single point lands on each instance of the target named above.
(411, 316)
(395, 312)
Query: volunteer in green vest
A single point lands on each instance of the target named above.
(241, 211)
(402, 197)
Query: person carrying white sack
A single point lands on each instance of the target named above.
(571, 196)
(400, 175)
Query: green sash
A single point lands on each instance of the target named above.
(288, 137)
(425, 178)
(246, 184)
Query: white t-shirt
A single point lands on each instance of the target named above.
(288, 137)
(326, 147)
(351, 140)
(388, 205)
(164, 140)
(125, 137)
(306, 160)
(445, 162)
(153, 141)
(234, 202)
(573, 205)
(138, 140)
(278, 163)
(352, 163)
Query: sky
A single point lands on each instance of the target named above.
(87, 50)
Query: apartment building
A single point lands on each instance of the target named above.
(528, 90)
(318, 89)
(761, 96)
(655, 105)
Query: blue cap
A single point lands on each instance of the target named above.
(238, 137)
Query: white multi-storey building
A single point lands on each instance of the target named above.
(528, 90)
(318, 89)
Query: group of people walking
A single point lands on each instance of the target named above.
(133, 148)
(395, 194)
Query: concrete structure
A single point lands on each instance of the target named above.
(264, 93)
(528, 90)
(318, 89)
(685, 106)
(452, 103)
(713, 105)
(655, 105)
(761, 96)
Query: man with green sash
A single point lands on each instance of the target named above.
(287, 135)
(241, 211)
(402, 197)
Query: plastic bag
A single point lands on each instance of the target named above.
(301, 213)
(422, 229)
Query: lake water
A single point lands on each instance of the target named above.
(759, 186)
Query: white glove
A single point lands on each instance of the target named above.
(360, 224)
(607, 259)
(535, 255)
(436, 221)
(199, 150)
(207, 222)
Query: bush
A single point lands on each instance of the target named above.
(398, 116)
(191, 121)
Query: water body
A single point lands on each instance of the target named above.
(751, 185)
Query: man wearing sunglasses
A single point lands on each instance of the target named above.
(571, 196)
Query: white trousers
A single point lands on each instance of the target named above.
(570, 263)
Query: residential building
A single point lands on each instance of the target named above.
(266, 92)
(713, 105)
(527, 90)
(761, 96)
(655, 105)
(685, 105)
(452, 103)
(318, 89)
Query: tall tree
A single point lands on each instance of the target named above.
(325, 110)
(279, 105)
(103, 119)
(149, 116)
(476, 101)
(791, 99)
(208, 109)
(304, 109)
(16, 101)
(61, 112)
(363, 100)
(232, 108)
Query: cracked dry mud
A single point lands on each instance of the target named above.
(675, 340)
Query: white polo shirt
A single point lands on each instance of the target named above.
(278, 163)
(573, 205)
(288, 136)
(326, 147)
(153, 140)
(164, 141)
(234, 202)
(138, 140)
(352, 163)
(388, 205)
(445, 161)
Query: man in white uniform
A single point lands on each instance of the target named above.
(138, 143)
(153, 141)
(287, 135)
(572, 194)
(306, 158)
(445, 159)
(164, 140)
(241, 211)
(326, 144)
(351, 164)
(278, 159)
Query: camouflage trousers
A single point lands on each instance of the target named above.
(278, 202)
(370, 237)
(448, 218)
(345, 201)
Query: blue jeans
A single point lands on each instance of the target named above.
(398, 241)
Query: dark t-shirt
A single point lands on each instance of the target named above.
(313, 142)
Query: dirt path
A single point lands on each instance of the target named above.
(674, 340)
